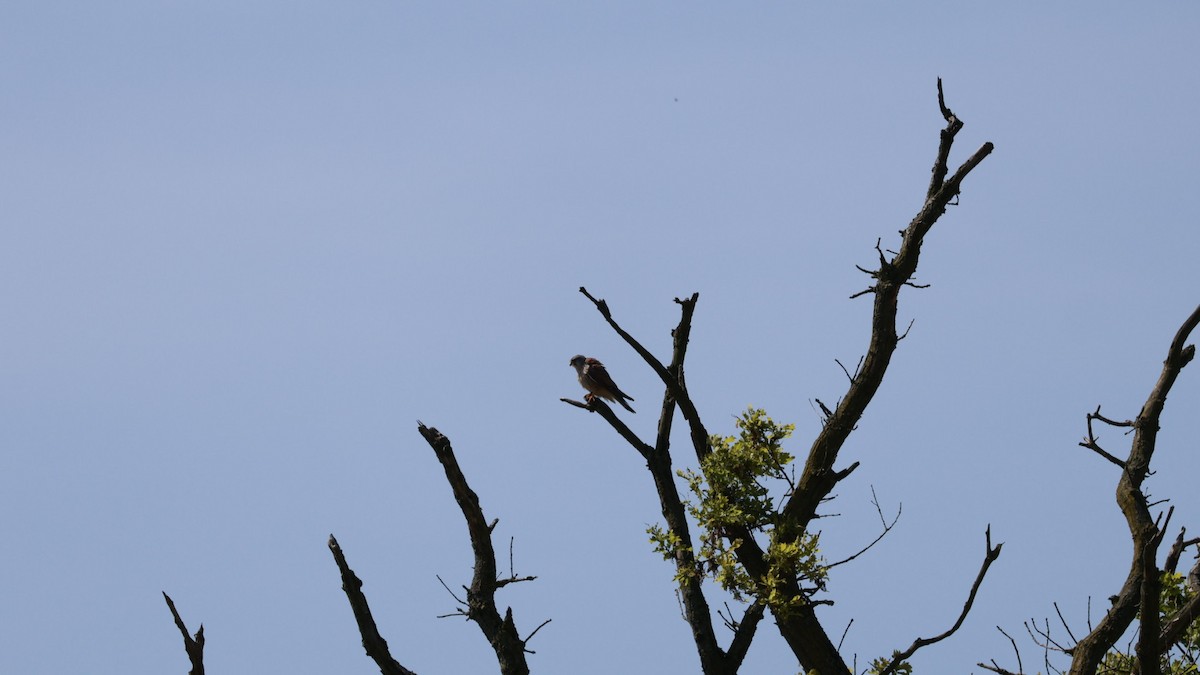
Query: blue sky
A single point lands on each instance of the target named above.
(245, 246)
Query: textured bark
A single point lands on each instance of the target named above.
(1139, 596)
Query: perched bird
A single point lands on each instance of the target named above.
(597, 381)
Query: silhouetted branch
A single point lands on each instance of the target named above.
(817, 480)
(673, 378)
(1177, 548)
(1066, 627)
(194, 646)
(988, 558)
(887, 527)
(535, 632)
(374, 644)
(500, 632)
(1017, 651)
(743, 634)
(809, 642)
(713, 659)
(598, 406)
(1091, 441)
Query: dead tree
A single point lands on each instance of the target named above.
(794, 607)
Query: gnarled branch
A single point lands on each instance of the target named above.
(1139, 596)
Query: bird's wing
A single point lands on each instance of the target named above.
(600, 376)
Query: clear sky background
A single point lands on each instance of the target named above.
(245, 246)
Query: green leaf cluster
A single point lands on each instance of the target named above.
(1175, 593)
(734, 492)
(880, 664)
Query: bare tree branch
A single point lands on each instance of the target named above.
(194, 646)
(887, 527)
(1092, 441)
(696, 611)
(989, 557)
(744, 633)
(997, 669)
(1177, 548)
(818, 479)
(1063, 621)
(598, 406)
(1020, 666)
(501, 632)
(673, 380)
(374, 644)
(1139, 596)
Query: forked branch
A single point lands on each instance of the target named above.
(1139, 597)
(672, 378)
(713, 659)
(500, 631)
(193, 645)
(887, 527)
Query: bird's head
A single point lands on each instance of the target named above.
(578, 360)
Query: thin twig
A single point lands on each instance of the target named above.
(887, 527)
(844, 632)
(1020, 666)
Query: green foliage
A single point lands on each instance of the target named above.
(1175, 594)
(735, 471)
(878, 665)
(667, 543)
(792, 559)
(733, 492)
